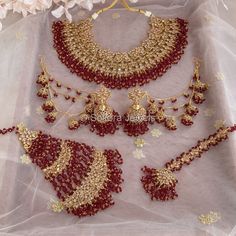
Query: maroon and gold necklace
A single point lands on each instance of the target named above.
(77, 49)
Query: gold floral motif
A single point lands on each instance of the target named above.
(20, 36)
(61, 163)
(91, 185)
(156, 133)
(25, 159)
(150, 108)
(43, 91)
(139, 142)
(56, 206)
(160, 42)
(138, 154)
(137, 113)
(210, 218)
(42, 78)
(220, 76)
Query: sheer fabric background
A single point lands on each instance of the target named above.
(207, 185)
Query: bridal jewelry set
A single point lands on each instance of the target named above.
(84, 177)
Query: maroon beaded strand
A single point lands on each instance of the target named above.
(7, 130)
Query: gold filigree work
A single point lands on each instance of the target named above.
(102, 110)
(137, 113)
(26, 136)
(25, 159)
(165, 177)
(92, 184)
(161, 39)
(61, 163)
(83, 177)
(56, 206)
(195, 152)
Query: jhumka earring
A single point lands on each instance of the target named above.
(103, 119)
(135, 121)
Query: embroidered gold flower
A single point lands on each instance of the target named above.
(39, 110)
(219, 123)
(208, 18)
(220, 76)
(115, 16)
(56, 206)
(210, 218)
(138, 154)
(25, 159)
(156, 133)
(139, 142)
(20, 36)
(209, 112)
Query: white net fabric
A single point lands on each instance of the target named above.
(207, 185)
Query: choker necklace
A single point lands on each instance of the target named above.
(103, 119)
(82, 176)
(76, 48)
(160, 183)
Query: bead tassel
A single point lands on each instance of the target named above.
(109, 127)
(134, 128)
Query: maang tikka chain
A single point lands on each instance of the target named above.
(103, 119)
(160, 184)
